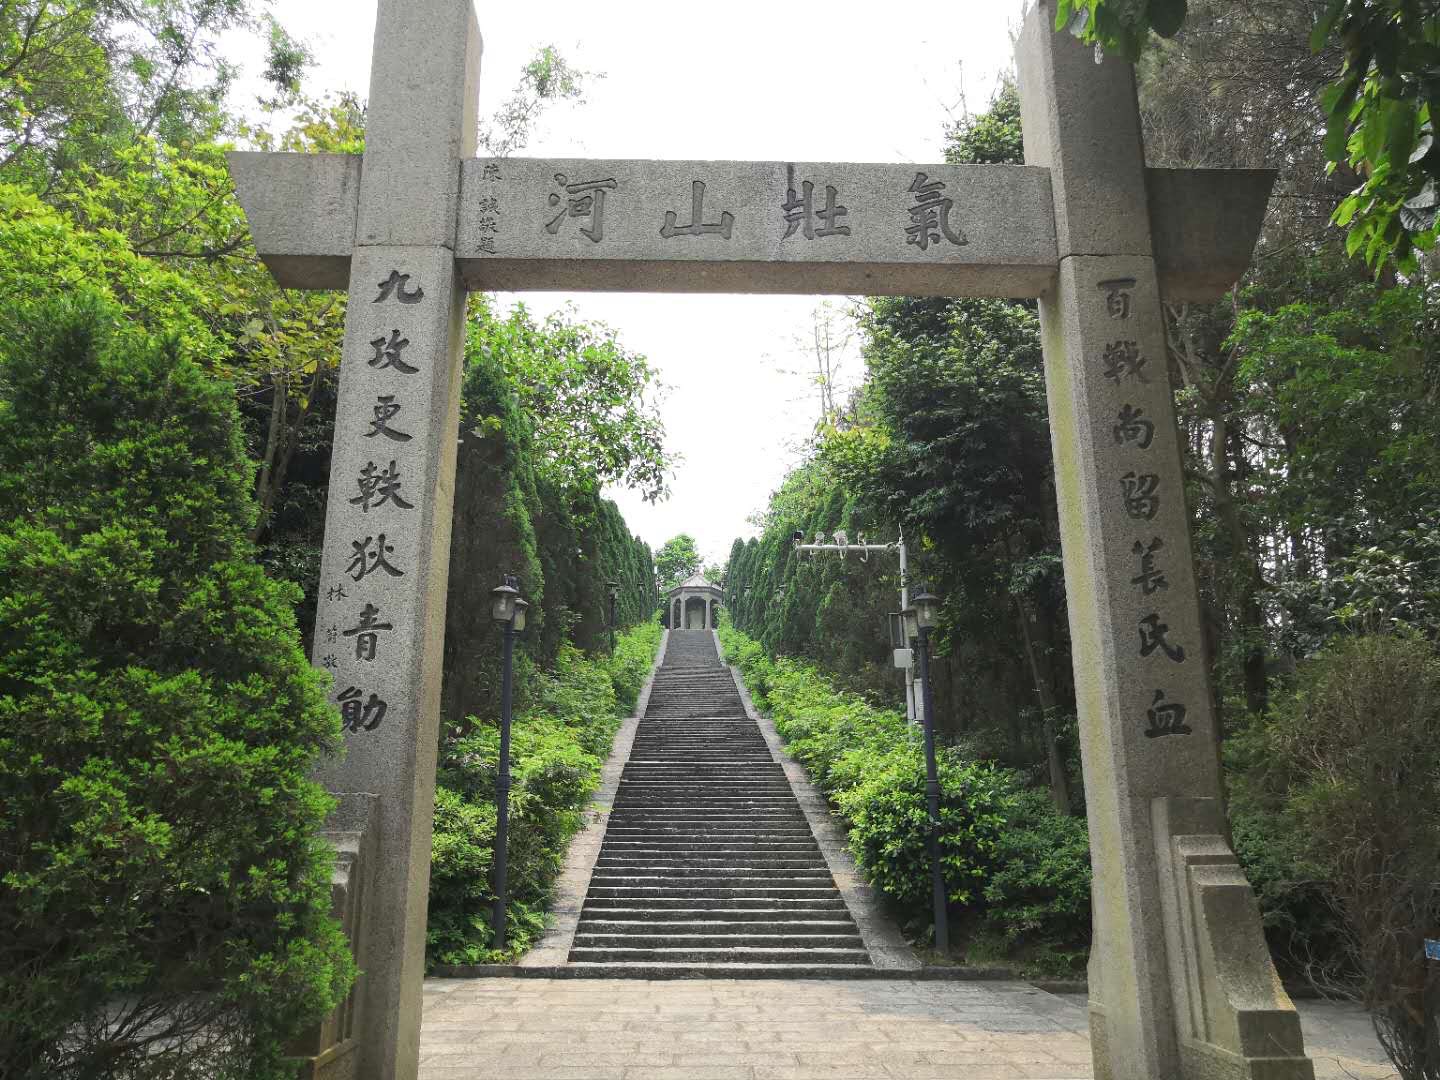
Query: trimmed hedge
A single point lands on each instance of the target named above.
(558, 746)
(1012, 862)
(164, 895)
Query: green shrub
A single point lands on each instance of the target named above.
(558, 746)
(1038, 895)
(1348, 764)
(1008, 858)
(632, 661)
(888, 824)
(164, 899)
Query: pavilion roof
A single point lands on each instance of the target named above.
(698, 581)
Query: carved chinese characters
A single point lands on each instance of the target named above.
(930, 216)
(749, 212)
(695, 227)
(1142, 496)
(353, 614)
(801, 214)
(585, 200)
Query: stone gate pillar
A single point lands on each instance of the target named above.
(385, 566)
(1181, 984)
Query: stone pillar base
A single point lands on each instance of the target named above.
(330, 1050)
(1234, 1020)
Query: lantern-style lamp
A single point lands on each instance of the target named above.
(927, 610)
(503, 599)
(521, 607)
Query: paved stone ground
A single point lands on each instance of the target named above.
(721, 1029)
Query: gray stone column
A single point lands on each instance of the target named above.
(1147, 728)
(709, 613)
(380, 626)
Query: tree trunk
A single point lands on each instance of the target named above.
(283, 440)
(265, 483)
(1059, 782)
(1250, 611)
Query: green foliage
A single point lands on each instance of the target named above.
(513, 517)
(591, 402)
(1349, 765)
(1120, 26)
(1372, 590)
(1378, 110)
(1008, 858)
(43, 253)
(546, 80)
(558, 746)
(991, 138)
(677, 559)
(164, 901)
(947, 443)
(79, 79)
(1038, 896)
(631, 662)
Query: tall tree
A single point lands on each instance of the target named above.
(677, 559)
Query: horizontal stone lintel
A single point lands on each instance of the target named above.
(303, 210)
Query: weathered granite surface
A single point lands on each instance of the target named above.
(385, 564)
(1172, 992)
(302, 211)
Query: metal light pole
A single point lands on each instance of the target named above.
(613, 588)
(921, 617)
(843, 547)
(508, 611)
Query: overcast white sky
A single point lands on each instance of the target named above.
(840, 81)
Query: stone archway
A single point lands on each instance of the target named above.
(1181, 984)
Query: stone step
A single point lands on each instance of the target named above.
(760, 923)
(674, 870)
(698, 876)
(759, 891)
(717, 956)
(786, 819)
(676, 857)
(622, 940)
(719, 916)
(628, 840)
(772, 905)
(708, 863)
(776, 972)
(734, 846)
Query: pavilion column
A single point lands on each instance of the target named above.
(385, 564)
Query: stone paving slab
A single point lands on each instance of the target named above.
(731, 1029)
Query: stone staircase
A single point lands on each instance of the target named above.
(708, 861)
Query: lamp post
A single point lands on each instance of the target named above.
(508, 611)
(613, 588)
(920, 618)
